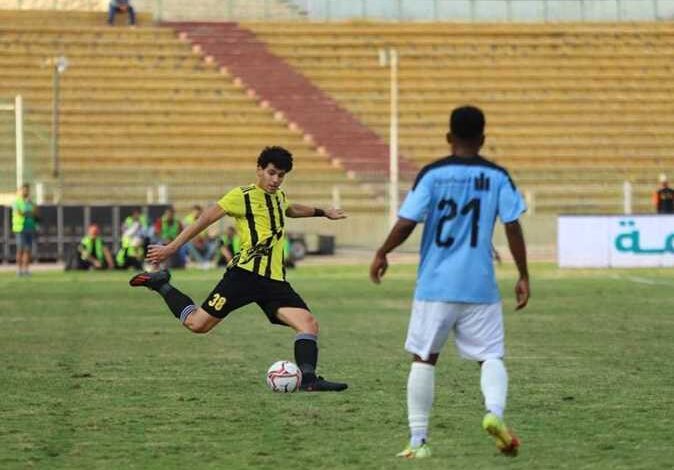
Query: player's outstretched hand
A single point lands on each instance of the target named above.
(158, 253)
(378, 268)
(522, 293)
(335, 214)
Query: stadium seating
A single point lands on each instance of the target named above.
(140, 108)
(573, 109)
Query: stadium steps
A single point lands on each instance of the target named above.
(344, 138)
(139, 105)
(568, 104)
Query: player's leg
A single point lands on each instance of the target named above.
(430, 324)
(306, 339)
(19, 240)
(420, 393)
(299, 318)
(21, 262)
(112, 11)
(200, 321)
(480, 337)
(28, 253)
(233, 291)
(132, 15)
(181, 305)
(284, 306)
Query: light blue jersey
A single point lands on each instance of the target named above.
(459, 199)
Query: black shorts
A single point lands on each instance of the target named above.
(239, 287)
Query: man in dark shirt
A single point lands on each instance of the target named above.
(663, 199)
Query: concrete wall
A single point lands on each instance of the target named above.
(177, 10)
(391, 10)
(489, 10)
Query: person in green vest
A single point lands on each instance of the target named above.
(190, 218)
(24, 226)
(130, 254)
(132, 248)
(166, 229)
(93, 252)
(230, 245)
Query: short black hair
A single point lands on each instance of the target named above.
(467, 123)
(280, 157)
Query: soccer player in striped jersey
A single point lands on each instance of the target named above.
(458, 198)
(257, 273)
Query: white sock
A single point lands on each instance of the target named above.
(420, 386)
(494, 384)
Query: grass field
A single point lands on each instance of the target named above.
(97, 375)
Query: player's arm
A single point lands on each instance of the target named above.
(399, 233)
(158, 253)
(297, 211)
(518, 249)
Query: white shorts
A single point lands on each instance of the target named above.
(478, 329)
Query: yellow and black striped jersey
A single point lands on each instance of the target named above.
(260, 222)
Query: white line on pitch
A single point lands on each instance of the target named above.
(645, 280)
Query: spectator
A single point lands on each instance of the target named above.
(230, 244)
(24, 225)
(663, 198)
(131, 255)
(121, 6)
(166, 229)
(134, 239)
(93, 252)
(201, 249)
(190, 218)
(135, 225)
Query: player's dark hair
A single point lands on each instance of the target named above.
(278, 156)
(467, 123)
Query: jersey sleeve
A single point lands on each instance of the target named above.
(510, 202)
(232, 203)
(416, 204)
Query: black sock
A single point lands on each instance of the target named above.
(306, 355)
(180, 304)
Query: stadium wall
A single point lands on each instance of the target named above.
(488, 10)
(378, 10)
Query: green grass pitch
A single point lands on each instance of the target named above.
(96, 375)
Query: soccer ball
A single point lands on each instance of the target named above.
(284, 377)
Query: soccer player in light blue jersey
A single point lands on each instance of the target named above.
(459, 198)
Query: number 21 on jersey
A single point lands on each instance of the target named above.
(472, 208)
